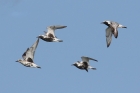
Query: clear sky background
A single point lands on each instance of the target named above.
(118, 67)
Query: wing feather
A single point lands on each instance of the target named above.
(24, 54)
(51, 30)
(86, 59)
(31, 51)
(108, 36)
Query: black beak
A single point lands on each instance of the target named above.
(17, 61)
(102, 22)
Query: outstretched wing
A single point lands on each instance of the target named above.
(31, 51)
(86, 59)
(50, 33)
(109, 31)
(93, 59)
(51, 30)
(24, 54)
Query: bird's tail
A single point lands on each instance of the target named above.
(35, 65)
(121, 26)
(90, 67)
(38, 66)
(58, 40)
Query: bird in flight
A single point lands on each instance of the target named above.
(112, 29)
(50, 34)
(28, 56)
(84, 64)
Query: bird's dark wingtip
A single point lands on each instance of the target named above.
(38, 67)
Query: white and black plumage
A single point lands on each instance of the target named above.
(84, 64)
(50, 35)
(112, 29)
(28, 56)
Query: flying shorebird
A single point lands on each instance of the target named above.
(50, 35)
(112, 29)
(28, 56)
(84, 64)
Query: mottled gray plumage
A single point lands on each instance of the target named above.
(28, 56)
(50, 34)
(112, 29)
(84, 64)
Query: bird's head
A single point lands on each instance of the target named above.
(76, 63)
(106, 22)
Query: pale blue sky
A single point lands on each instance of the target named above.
(118, 67)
